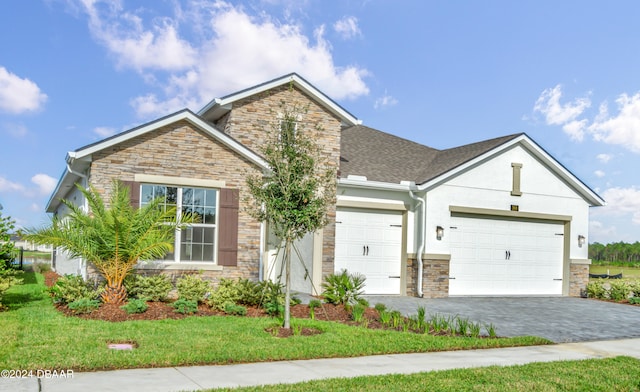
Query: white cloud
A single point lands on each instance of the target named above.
(16, 130)
(622, 201)
(548, 104)
(8, 186)
(104, 131)
(35, 207)
(134, 45)
(384, 101)
(46, 184)
(622, 129)
(18, 95)
(347, 27)
(575, 129)
(599, 173)
(604, 158)
(597, 229)
(229, 50)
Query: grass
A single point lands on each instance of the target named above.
(627, 272)
(36, 336)
(612, 374)
(37, 255)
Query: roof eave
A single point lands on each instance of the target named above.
(78, 160)
(218, 107)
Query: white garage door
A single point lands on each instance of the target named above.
(505, 257)
(369, 242)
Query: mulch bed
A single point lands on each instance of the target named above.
(163, 310)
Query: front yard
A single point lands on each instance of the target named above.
(34, 335)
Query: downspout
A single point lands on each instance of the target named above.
(420, 236)
(263, 229)
(70, 170)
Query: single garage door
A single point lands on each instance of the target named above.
(505, 257)
(369, 242)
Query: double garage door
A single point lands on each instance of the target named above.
(369, 242)
(505, 257)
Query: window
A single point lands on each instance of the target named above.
(198, 241)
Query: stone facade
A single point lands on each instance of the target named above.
(579, 278)
(435, 277)
(179, 150)
(253, 117)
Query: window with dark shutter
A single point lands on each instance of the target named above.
(228, 224)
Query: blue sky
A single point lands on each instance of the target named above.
(442, 73)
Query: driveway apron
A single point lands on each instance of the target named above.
(559, 319)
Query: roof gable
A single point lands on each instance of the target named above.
(218, 107)
(384, 158)
(79, 160)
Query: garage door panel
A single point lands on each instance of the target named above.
(502, 257)
(381, 232)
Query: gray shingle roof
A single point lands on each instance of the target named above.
(387, 158)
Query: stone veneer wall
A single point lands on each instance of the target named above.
(435, 278)
(250, 119)
(179, 150)
(412, 273)
(579, 278)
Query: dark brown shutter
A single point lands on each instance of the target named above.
(134, 192)
(228, 227)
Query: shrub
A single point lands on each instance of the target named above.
(619, 290)
(635, 288)
(84, 305)
(135, 306)
(596, 289)
(41, 267)
(343, 288)
(192, 288)
(227, 291)
(250, 293)
(634, 300)
(71, 288)
(185, 306)
(151, 288)
(8, 278)
(357, 314)
(380, 307)
(272, 297)
(235, 310)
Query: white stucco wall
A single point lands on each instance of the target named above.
(63, 263)
(489, 186)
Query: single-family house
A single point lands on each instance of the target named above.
(496, 217)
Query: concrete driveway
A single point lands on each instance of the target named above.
(560, 319)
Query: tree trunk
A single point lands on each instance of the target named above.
(287, 289)
(114, 294)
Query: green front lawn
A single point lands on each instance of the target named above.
(612, 374)
(34, 335)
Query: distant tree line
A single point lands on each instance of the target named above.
(620, 252)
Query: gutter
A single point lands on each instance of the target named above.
(421, 239)
(364, 183)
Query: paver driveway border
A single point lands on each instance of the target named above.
(559, 319)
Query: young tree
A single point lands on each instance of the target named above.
(113, 238)
(7, 248)
(294, 196)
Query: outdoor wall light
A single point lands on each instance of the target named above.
(581, 240)
(439, 233)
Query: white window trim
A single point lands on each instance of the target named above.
(179, 181)
(177, 248)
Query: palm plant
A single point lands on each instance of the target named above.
(113, 238)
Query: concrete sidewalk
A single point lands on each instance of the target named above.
(201, 377)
